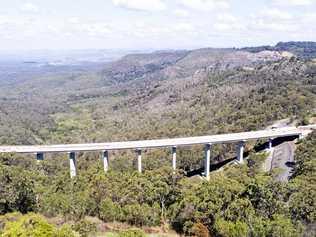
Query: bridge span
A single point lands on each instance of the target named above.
(173, 143)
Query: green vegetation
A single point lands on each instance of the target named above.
(132, 233)
(32, 225)
(238, 201)
(235, 202)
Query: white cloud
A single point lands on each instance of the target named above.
(222, 26)
(18, 26)
(74, 26)
(205, 5)
(96, 29)
(3, 20)
(308, 23)
(34, 27)
(181, 12)
(294, 2)
(184, 27)
(73, 20)
(274, 20)
(179, 30)
(274, 14)
(226, 17)
(263, 25)
(310, 17)
(30, 7)
(178, 25)
(228, 22)
(53, 29)
(141, 5)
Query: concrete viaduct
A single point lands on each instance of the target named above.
(173, 143)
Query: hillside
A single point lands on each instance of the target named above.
(304, 50)
(185, 93)
(158, 95)
(182, 64)
(157, 86)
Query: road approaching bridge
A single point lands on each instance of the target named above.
(239, 138)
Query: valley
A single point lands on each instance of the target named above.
(156, 95)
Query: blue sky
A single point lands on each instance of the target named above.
(153, 24)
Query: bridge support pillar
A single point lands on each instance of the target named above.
(139, 160)
(174, 158)
(105, 161)
(39, 157)
(73, 164)
(270, 143)
(240, 152)
(207, 161)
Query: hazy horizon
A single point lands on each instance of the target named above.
(55, 50)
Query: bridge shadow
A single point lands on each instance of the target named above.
(213, 167)
(275, 142)
(257, 148)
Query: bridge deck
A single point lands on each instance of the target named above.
(213, 139)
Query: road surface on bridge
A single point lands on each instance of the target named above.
(213, 139)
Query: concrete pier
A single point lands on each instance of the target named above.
(270, 143)
(72, 164)
(240, 152)
(207, 161)
(39, 157)
(139, 160)
(174, 158)
(105, 161)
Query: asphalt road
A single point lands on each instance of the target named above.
(282, 158)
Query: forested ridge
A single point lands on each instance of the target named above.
(173, 95)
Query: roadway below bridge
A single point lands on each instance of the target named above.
(283, 160)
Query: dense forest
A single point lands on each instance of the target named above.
(155, 96)
(239, 201)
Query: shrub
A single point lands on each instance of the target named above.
(281, 226)
(84, 228)
(109, 211)
(66, 231)
(199, 230)
(29, 225)
(9, 217)
(231, 229)
(16, 190)
(132, 233)
(32, 225)
(139, 215)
